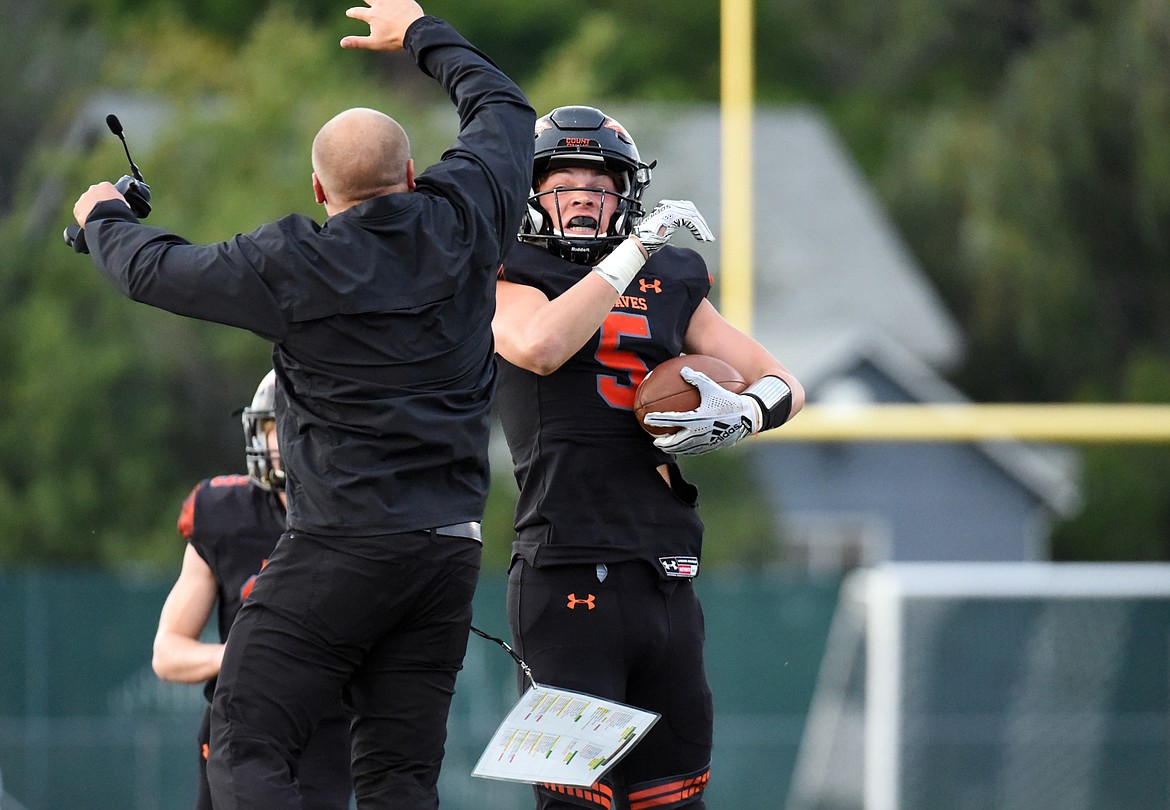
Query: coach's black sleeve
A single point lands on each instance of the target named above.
(211, 282)
(491, 161)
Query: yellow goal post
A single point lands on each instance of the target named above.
(949, 422)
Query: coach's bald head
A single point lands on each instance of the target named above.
(357, 155)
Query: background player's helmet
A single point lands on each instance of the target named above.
(259, 457)
(584, 136)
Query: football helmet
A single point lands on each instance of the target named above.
(260, 461)
(584, 136)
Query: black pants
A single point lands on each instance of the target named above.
(381, 622)
(632, 638)
(322, 771)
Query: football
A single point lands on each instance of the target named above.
(664, 389)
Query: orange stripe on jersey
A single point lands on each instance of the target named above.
(233, 480)
(187, 514)
(670, 793)
(598, 794)
(246, 589)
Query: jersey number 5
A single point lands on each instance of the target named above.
(613, 388)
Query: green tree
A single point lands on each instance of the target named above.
(39, 55)
(1041, 209)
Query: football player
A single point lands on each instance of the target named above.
(608, 540)
(231, 524)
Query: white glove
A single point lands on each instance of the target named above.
(721, 420)
(668, 216)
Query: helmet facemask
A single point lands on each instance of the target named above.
(263, 466)
(552, 223)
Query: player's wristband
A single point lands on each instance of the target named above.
(621, 265)
(775, 400)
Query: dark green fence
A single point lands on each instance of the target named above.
(85, 724)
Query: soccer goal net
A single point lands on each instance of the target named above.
(1014, 686)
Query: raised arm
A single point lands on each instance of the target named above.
(539, 335)
(388, 21)
(491, 160)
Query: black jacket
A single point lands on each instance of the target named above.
(381, 318)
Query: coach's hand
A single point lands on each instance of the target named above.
(98, 192)
(388, 21)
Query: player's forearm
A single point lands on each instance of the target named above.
(709, 333)
(557, 330)
(185, 660)
(795, 389)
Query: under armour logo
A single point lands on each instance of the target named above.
(680, 567)
(647, 286)
(587, 602)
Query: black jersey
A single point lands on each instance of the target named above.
(233, 524)
(589, 486)
(381, 318)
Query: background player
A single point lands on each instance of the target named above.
(231, 523)
(608, 537)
